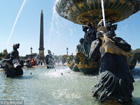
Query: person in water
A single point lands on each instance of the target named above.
(115, 80)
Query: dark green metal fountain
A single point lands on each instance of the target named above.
(89, 11)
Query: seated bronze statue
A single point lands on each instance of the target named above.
(13, 69)
(115, 80)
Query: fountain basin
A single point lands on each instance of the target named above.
(39, 88)
(85, 11)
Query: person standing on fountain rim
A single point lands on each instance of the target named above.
(115, 80)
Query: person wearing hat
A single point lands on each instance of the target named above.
(115, 80)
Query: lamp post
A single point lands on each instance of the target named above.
(67, 50)
(31, 52)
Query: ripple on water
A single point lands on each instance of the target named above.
(38, 86)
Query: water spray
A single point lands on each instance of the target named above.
(15, 22)
(103, 12)
(54, 16)
(50, 30)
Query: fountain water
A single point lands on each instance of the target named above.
(103, 11)
(46, 86)
(20, 10)
(51, 29)
(61, 34)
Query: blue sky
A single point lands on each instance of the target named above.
(59, 33)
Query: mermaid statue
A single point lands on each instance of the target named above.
(115, 80)
(13, 65)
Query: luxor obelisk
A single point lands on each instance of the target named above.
(41, 44)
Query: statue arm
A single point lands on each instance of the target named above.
(122, 44)
(94, 50)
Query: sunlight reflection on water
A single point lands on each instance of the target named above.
(56, 86)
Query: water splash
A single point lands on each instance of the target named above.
(59, 27)
(20, 10)
(103, 12)
(51, 29)
(62, 34)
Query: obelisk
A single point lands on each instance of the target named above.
(41, 44)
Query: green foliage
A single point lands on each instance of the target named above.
(22, 57)
(1, 54)
(137, 54)
(63, 59)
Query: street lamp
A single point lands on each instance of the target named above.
(67, 50)
(31, 52)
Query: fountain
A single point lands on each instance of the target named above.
(116, 81)
(13, 65)
(49, 60)
(87, 12)
(71, 62)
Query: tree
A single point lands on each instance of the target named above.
(1, 56)
(137, 54)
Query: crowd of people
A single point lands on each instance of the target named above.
(34, 62)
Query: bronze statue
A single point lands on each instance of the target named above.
(49, 60)
(115, 80)
(13, 65)
(85, 43)
(83, 49)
